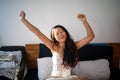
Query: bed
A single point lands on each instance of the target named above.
(95, 62)
(12, 62)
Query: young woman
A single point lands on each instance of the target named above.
(63, 48)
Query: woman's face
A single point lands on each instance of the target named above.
(60, 34)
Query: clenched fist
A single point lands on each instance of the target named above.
(81, 17)
(22, 15)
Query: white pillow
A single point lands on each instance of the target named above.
(44, 67)
(93, 70)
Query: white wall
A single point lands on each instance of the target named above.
(102, 15)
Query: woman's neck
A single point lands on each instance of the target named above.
(61, 45)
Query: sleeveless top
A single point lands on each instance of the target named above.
(58, 69)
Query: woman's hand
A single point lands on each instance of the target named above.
(22, 15)
(81, 17)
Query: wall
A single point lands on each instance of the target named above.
(102, 15)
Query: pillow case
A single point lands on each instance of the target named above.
(44, 67)
(93, 69)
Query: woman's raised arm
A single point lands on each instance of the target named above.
(35, 30)
(90, 33)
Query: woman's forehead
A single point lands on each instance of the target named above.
(58, 29)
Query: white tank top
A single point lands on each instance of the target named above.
(58, 69)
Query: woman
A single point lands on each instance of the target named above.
(63, 48)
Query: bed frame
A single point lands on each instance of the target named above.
(89, 52)
(32, 51)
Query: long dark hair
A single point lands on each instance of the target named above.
(70, 58)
